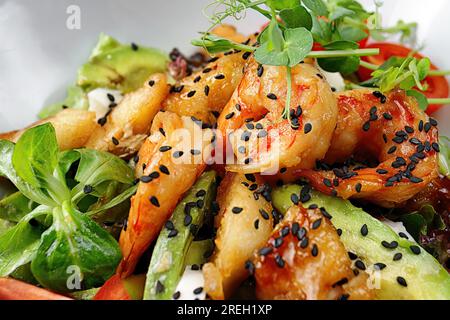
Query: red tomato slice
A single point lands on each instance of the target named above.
(437, 86)
(11, 289)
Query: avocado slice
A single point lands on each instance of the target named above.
(118, 66)
(111, 65)
(416, 276)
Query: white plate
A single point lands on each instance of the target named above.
(39, 55)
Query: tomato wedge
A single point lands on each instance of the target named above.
(117, 288)
(11, 289)
(437, 86)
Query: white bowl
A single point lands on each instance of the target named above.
(39, 55)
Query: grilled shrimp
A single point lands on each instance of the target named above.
(390, 129)
(73, 128)
(305, 260)
(129, 123)
(253, 116)
(204, 93)
(168, 166)
(244, 222)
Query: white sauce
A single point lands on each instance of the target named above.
(397, 227)
(191, 280)
(99, 101)
(334, 79)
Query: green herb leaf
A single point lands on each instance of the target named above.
(318, 7)
(15, 206)
(422, 100)
(299, 43)
(7, 170)
(97, 167)
(74, 243)
(35, 160)
(344, 65)
(297, 17)
(19, 244)
(282, 4)
(444, 156)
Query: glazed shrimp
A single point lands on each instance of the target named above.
(253, 116)
(390, 129)
(304, 262)
(167, 168)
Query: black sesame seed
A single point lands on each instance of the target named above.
(433, 122)
(294, 198)
(316, 224)
(219, 77)
(325, 213)
(206, 70)
(401, 281)
(415, 249)
(352, 256)
(382, 171)
(256, 224)
(191, 93)
(327, 182)
(176, 295)
(134, 46)
(237, 210)
(415, 180)
(403, 235)
(246, 55)
(265, 251)
(398, 256)
(115, 141)
(358, 187)
(366, 126)
(146, 179)
(379, 266)
(280, 262)
(315, 250)
(260, 70)
(295, 228)
(301, 233)
(360, 265)
(159, 287)
(198, 290)
(88, 189)
(172, 233)
(272, 96)
(307, 129)
(387, 116)
(264, 214)
(206, 90)
(154, 201)
(197, 79)
(195, 152)
(164, 169)
(151, 83)
(409, 129)
(178, 154)
(392, 150)
(398, 140)
(304, 243)
(436, 147)
(250, 267)
(165, 148)
(364, 230)
(420, 127)
(339, 232)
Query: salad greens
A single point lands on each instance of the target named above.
(57, 234)
(112, 65)
(444, 156)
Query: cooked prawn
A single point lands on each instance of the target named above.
(392, 130)
(73, 128)
(244, 223)
(167, 168)
(305, 260)
(254, 117)
(128, 124)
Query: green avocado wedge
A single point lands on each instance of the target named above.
(416, 276)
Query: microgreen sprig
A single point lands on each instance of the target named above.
(293, 28)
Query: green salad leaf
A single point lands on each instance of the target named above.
(444, 156)
(61, 196)
(74, 240)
